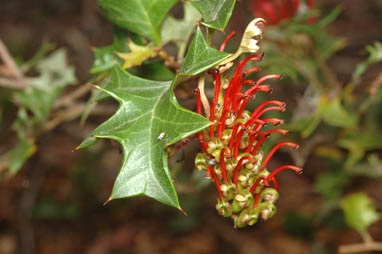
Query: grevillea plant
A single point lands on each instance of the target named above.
(149, 118)
(231, 147)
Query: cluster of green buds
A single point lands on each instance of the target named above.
(231, 148)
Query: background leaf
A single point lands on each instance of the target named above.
(201, 56)
(143, 17)
(43, 90)
(19, 154)
(148, 109)
(360, 212)
(54, 74)
(216, 13)
(180, 30)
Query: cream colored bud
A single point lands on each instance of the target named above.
(242, 178)
(223, 187)
(265, 213)
(230, 121)
(269, 197)
(244, 219)
(225, 83)
(240, 198)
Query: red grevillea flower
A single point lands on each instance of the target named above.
(231, 148)
(274, 11)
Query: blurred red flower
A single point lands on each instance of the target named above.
(274, 11)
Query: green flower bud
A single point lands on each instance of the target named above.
(243, 219)
(201, 161)
(226, 136)
(267, 210)
(223, 208)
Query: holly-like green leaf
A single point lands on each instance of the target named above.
(216, 13)
(143, 17)
(149, 118)
(201, 56)
(360, 212)
(180, 30)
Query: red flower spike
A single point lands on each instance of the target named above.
(237, 143)
(258, 144)
(236, 102)
(274, 172)
(236, 78)
(273, 121)
(224, 152)
(216, 179)
(256, 183)
(198, 101)
(202, 142)
(257, 197)
(275, 76)
(255, 88)
(248, 96)
(251, 141)
(255, 69)
(275, 183)
(230, 35)
(212, 119)
(255, 117)
(236, 170)
(236, 133)
(274, 149)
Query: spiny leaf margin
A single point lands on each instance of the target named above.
(144, 170)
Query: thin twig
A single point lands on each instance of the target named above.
(5, 71)
(169, 61)
(8, 60)
(69, 98)
(372, 94)
(203, 97)
(12, 69)
(12, 83)
(74, 111)
(360, 247)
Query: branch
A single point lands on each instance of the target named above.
(74, 111)
(360, 247)
(18, 82)
(69, 98)
(12, 83)
(169, 61)
(8, 60)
